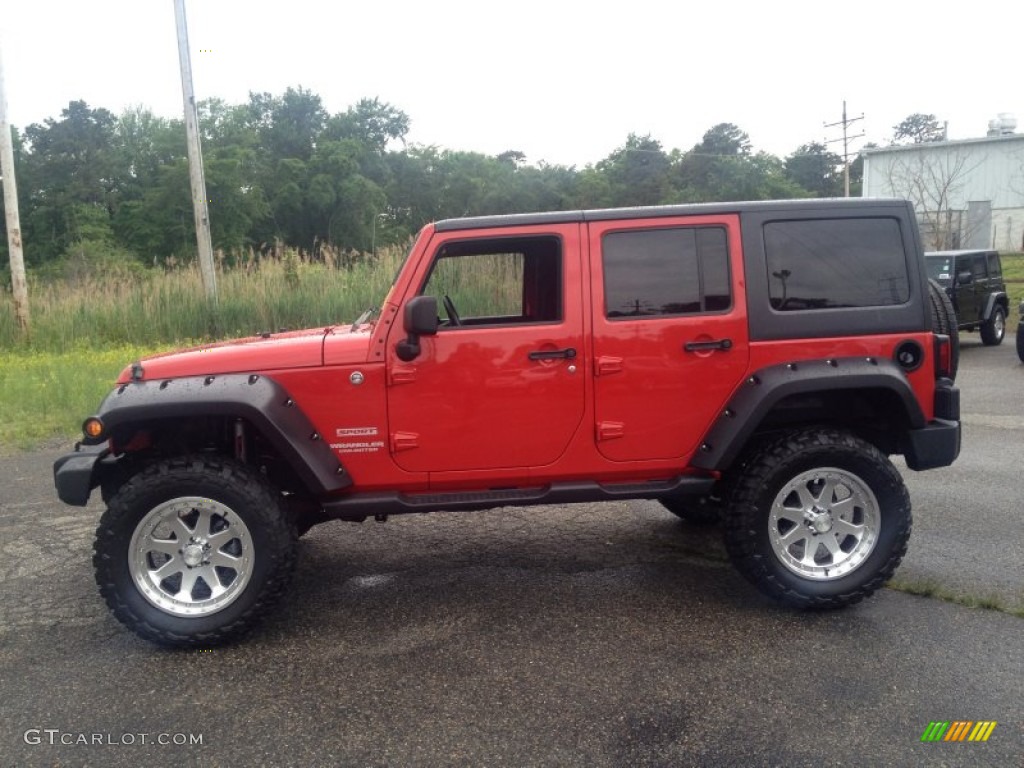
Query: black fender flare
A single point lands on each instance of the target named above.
(257, 399)
(998, 298)
(761, 391)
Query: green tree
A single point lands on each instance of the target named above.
(372, 123)
(816, 170)
(295, 122)
(72, 168)
(143, 143)
(722, 167)
(724, 139)
(918, 128)
(637, 172)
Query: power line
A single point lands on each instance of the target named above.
(845, 122)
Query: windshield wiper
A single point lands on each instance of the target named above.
(362, 319)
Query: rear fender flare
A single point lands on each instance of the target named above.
(996, 299)
(761, 391)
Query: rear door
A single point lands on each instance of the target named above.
(978, 289)
(670, 338)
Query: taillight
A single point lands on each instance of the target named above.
(943, 357)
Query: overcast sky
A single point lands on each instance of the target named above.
(562, 81)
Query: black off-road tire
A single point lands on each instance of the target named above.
(994, 329)
(1020, 342)
(755, 535)
(944, 322)
(253, 526)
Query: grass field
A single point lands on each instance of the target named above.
(46, 395)
(168, 306)
(1013, 273)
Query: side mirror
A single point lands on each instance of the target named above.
(965, 278)
(420, 319)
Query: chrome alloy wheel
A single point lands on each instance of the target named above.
(191, 556)
(824, 523)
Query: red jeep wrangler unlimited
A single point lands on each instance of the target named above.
(757, 361)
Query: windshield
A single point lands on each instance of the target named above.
(940, 268)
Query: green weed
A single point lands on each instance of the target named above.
(927, 588)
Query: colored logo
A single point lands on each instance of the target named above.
(958, 730)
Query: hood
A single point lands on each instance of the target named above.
(294, 349)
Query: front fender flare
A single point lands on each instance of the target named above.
(257, 399)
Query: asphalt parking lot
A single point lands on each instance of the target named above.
(590, 635)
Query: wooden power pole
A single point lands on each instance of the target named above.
(19, 284)
(195, 159)
(845, 122)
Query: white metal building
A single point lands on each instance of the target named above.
(968, 193)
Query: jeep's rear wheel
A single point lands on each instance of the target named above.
(193, 551)
(944, 322)
(993, 329)
(1020, 342)
(818, 519)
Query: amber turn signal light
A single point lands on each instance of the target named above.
(92, 427)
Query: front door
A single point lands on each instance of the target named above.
(670, 331)
(501, 385)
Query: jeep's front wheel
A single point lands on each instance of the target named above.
(819, 519)
(192, 551)
(993, 329)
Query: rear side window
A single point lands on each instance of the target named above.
(994, 267)
(657, 272)
(832, 263)
(978, 267)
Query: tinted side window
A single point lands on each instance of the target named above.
(829, 263)
(654, 272)
(994, 267)
(499, 281)
(940, 268)
(978, 267)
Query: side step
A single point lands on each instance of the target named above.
(359, 506)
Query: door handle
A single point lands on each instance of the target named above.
(701, 346)
(553, 354)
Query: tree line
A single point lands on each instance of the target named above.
(94, 186)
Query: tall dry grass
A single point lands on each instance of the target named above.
(285, 289)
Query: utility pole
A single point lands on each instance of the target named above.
(195, 160)
(18, 283)
(846, 145)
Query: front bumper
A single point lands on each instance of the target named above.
(76, 474)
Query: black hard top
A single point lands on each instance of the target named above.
(839, 205)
